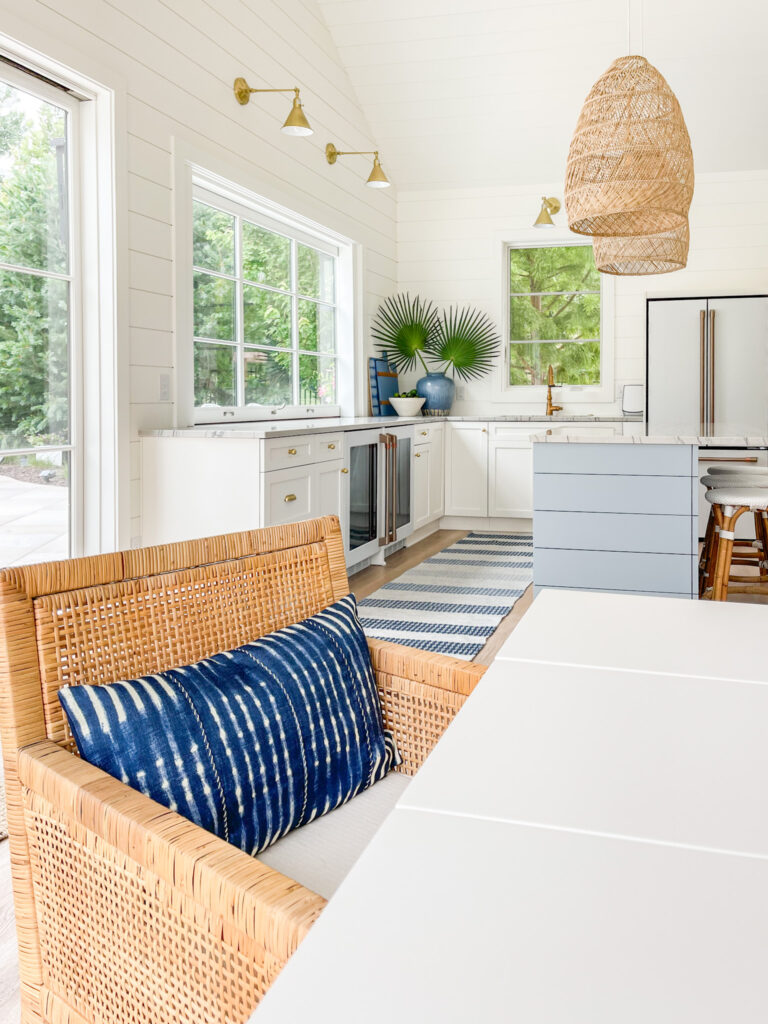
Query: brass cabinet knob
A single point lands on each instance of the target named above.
(423, 433)
(418, 455)
(345, 470)
(291, 451)
(290, 497)
(484, 430)
(332, 447)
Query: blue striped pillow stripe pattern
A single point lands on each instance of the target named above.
(249, 743)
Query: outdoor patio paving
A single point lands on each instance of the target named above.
(34, 522)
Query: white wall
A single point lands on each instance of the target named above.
(172, 64)
(450, 244)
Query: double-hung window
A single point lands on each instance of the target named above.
(265, 312)
(554, 316)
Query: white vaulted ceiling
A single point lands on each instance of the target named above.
(472, 93)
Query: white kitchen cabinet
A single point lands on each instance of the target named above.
(288, 495)
(304, 493)
(331, 491)
(437, 472)
(428, 475)
(423, 471)
(510, 472)
(466, 469)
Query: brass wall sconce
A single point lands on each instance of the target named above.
(549, 206)
(376, 179)
(295, 124)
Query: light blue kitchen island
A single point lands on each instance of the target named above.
(616, 514)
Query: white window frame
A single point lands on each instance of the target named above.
(194, 181)
(568, 393)
(99, 490)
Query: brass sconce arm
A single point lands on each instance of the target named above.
(376, 179)
(295, 124)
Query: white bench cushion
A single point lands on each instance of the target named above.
(319, 855)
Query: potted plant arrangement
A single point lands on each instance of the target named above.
(412, 331)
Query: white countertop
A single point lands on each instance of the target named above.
(285, 428)
(701, 440)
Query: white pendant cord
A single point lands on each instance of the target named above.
(635, 45)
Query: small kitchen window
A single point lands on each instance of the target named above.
(556, 318)
(266, 331)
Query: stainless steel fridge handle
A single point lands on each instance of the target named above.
(711, 370)
(702, 370)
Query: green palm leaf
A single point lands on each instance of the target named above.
(403, 327)
(466, 340)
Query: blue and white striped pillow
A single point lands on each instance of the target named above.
(250, 743)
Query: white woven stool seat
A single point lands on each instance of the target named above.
(739, 497)
(734, 480)
(745, 468)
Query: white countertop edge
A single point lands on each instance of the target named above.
(729, 441)
(285, 428)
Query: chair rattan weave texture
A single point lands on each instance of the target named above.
(127, 912)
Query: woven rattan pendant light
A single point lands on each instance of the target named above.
(630, 165)
(635, 255)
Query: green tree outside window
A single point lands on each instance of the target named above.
(554, 315)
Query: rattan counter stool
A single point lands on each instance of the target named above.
(729, 503)
(745, 552)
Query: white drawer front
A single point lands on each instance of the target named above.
(327, 447)
(283, 452)
(424, 433)
(287, 496)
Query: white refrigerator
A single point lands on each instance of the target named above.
(707, 373)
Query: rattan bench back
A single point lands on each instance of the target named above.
(122, 615)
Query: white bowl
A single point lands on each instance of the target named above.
(407, 406)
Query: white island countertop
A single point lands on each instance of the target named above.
(701, 440)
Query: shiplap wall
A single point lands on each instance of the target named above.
(449, 249)
(174, 62)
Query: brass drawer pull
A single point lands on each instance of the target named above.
(290, 497)
(332, 447)
(418, 455)
(345, 470)
(291, 451)
(423, 433)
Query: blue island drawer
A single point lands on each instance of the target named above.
(618, 458)
(646, 495)
(614, 570)
(596, 531)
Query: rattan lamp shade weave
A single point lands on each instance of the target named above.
(630, 165)
(635, 255)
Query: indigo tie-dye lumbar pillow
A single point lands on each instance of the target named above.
(252, 742)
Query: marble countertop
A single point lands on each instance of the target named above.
(285, 428)
(701, 441)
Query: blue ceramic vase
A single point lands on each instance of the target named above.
(438, 390)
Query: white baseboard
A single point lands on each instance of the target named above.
(423, 531)
(488, 524)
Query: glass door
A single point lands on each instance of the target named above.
(363, 489)
(38, 453)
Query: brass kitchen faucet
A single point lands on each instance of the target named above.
(551, 384)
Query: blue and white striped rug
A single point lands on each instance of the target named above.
(452, 602)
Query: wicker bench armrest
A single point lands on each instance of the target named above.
(186, 919)
(420, 695)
